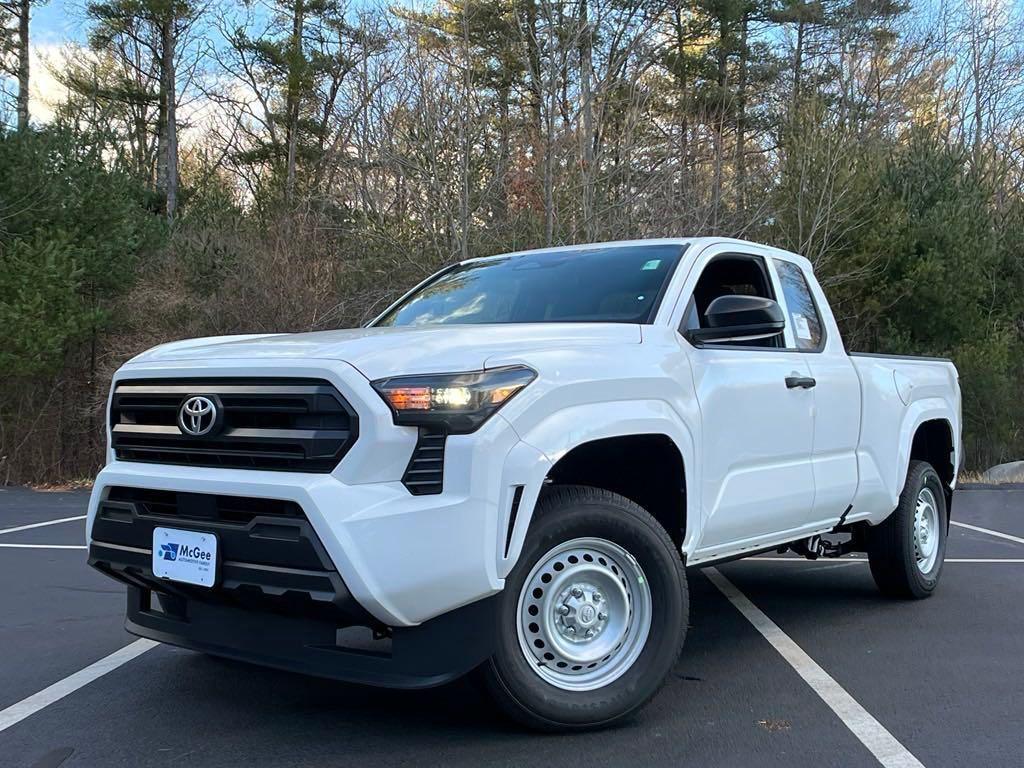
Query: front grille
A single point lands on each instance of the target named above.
(301, 425)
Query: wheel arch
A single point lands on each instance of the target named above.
(928, 430)
(933, 442)
(622, 465)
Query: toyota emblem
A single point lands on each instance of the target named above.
(197, 416)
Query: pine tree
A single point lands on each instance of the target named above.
(143, 36)
(300, 64)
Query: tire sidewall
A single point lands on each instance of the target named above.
(926, 582)
(663, 571)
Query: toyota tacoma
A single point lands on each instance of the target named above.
(511, 469)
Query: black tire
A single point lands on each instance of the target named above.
(563, 514)
(890, 545)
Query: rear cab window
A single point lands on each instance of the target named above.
(804, 320)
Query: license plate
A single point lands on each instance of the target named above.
(186, 556)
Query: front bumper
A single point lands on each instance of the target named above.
(277, 599)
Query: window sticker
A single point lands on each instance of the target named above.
(652, 264)
(803, 330)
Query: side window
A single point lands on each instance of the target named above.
(803, 313)
(730, 276)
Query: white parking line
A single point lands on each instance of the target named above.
(979, 529)
(43, 546)
(15, 713)
(821, 560)
(40, 525)
(872, 734)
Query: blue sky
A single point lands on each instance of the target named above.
(58, 22)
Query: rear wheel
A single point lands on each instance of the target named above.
(592, 617)
(906, 551)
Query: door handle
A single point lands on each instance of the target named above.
(803, 382)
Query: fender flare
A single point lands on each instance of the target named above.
(920, 411)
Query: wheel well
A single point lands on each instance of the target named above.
(933, 442)
(647, 469)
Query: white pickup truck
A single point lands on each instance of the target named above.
(509, 470)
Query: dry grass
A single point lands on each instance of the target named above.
(974, 476)
(71, 485)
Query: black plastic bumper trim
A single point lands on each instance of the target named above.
(432, 654)
(251, 584)
(270, 558)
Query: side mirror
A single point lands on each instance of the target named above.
(732, 319)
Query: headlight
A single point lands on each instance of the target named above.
(458, 402)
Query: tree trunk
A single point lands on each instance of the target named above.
(684, 123)
(23, 64)
(587, 110)
(534, 87)
(549, 128)
(977, 76)
(500, 204)
(364, 136)
(718, 139)
(549, 154)
(293, 98)
(464, 143)
(741, 116)
(798, 64)
(167, 152)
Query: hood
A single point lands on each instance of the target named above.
(380, 352)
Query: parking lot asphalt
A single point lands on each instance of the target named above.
(944, 676)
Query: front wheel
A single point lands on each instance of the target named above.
(906, 551)
(592, 617)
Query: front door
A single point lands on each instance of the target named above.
(757, 435)
(757, 421)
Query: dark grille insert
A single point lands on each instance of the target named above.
(201, 506)
(425, 473)
(301, 425)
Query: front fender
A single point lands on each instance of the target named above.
(558, 433)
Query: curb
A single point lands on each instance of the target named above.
(990, 487)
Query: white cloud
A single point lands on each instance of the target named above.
(45, 91)
(198, 115)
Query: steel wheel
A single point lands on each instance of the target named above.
(593, 614)
(926, 530)
(907, 548)
(584, 614)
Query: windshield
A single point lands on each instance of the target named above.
(617, 284)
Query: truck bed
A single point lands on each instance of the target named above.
(898, 394)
